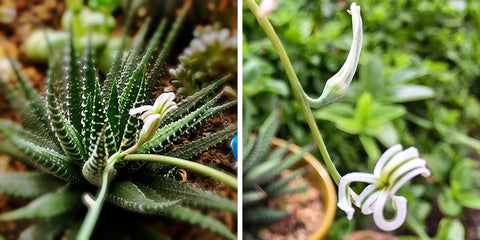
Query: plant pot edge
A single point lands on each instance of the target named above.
(323, 183)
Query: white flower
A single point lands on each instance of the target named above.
(337, 86)
(266, 7)
(393, 169)
(152, 115)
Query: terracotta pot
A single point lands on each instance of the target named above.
(320, 179)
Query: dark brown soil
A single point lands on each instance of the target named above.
(306, 214)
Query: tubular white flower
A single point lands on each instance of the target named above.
(337, 86)
(152, 115)
(393, 169)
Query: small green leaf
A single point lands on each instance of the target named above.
(447, 203)
(468, 198)
(372, 149)
(450, 229)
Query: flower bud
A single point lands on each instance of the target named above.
(337, 86)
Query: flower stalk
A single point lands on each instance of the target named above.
(297, 88)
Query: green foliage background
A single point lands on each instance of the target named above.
(416, 84)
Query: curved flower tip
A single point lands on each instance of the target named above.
(393, 170)
(267, 7)
(337, 86)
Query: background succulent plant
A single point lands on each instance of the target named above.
(211, 53)
(70, 134)
(262, 169)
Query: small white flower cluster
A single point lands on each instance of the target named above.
(393, 169)
(152, 115)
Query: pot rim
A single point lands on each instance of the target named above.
(323, 183)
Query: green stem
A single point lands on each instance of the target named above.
(297, 88)
(207, 171)
(94, 210)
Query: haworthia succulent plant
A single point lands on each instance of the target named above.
(262, 173)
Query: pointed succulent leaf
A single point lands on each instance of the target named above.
(94, 167)
(265, 172)
(248, 147)
(20, 105)
(9, 128)
(115, 70)
(270, 161)
(87, 116)
(191, 102)
(42, 158)
(172, 189)
(28, 184)
(263, 215)
(131, 129)
(113, 114)
(26, 101)
(262, 143)
(89, 76)
(127, 195)
(99, 121)
(6, 147)
(253, 196)
(74, 86)
(195, 217)
(289, 190)
(49, 161)
(130, 93)
(154, 74)
(48, 205)
(114, 73)
(133, 57)
(170, 132)
(199, 146)
(128, 97)
(213, 111)
(281, 184)
(247, 121)
(65, 133)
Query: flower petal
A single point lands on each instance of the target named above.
(405, 168)
(140, 109)
(162, 98)
(400, 207)
(149, 128)
(337, 86)
(405, 178)
(364, 194)
(399, 158)
(344, 201)
(387, 155)
(368, 205)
